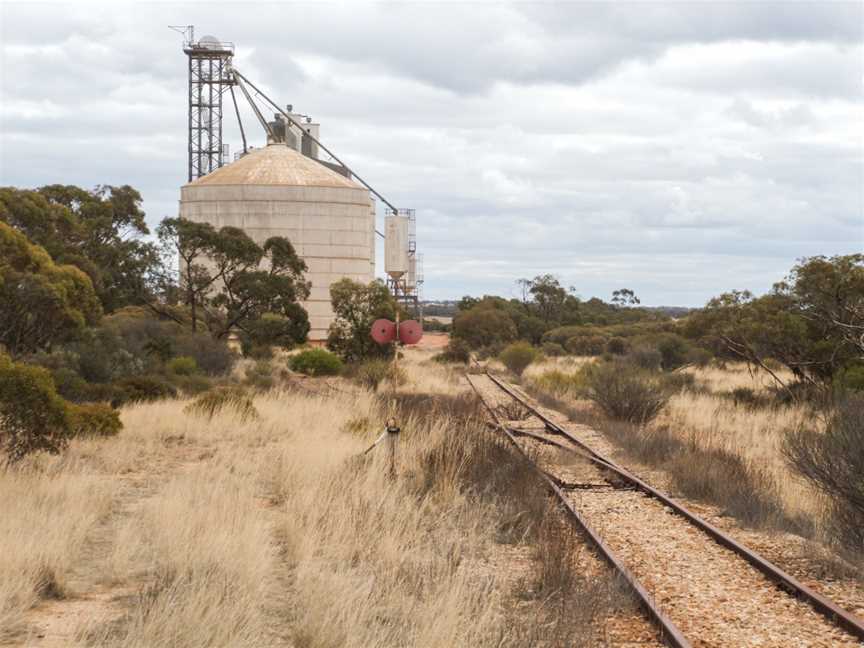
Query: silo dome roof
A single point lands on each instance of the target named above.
(275, 164)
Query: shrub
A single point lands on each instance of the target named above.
(356, 306)
(182, 366)
(484, 326)
(456, 351)
(617, 346)
(135, 389)
(626, 394)
(70, 385)
(699, 357)
(553, 349)
(372, 373)
(192, 385)
(260, 376)
(215, 401)
(833, 462)
(851, 378)
(316, 362)
(678, 381)
(586, 345)
(32, 416)
(645, 358)
(518, 356)
(673, 351)
(212, 356)
(93, 419)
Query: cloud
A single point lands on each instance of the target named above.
(677, 149)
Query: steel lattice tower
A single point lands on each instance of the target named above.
(210, 76)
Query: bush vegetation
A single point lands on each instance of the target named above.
(371, 373)
(356, 307)
(625, 393)
(316, 362)
(32, 416)
(517, 356)
(833, 462)
(457, 350)
(182, 366)
(93, 419)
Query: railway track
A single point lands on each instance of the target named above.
(696, 583)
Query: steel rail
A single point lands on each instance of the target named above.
(840, 616)
(670, 633)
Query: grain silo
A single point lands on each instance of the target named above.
(277, 191)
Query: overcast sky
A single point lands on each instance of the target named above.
(678, 149)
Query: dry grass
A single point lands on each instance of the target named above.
(275, 531)
(47, 513)
(715, 449)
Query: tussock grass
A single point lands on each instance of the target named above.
(715, 449)
(46, 516)
(233, 400)
(276, 531)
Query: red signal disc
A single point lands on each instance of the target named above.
(383, 331)
(410, 332)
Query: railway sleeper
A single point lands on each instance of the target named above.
(573, 486)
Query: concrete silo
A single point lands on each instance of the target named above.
(277, 191)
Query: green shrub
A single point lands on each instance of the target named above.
(372, 373)
(316, 362)
(586, 345)
(851, 378)
(192, 385)
(518, 356)
(699, 357)
(93, 419)
(645, 358)
(260, 376)
(32, 416)
(182, 366)
(482, 326)
(617, 346)
(553, 349)
(625, 393)
(212, 356)
(134, 389)
(673, 351)
(457, 350)
(70, 385)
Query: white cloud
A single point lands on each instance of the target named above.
(676, 149)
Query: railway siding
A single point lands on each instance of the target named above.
(710, 592)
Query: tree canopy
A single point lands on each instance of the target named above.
(812, 322)
(100, 232)
(230, 282)
(41, 303)
(356, 307)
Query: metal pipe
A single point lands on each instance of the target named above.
(294, 122)
(237, 77)
(239, 121)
